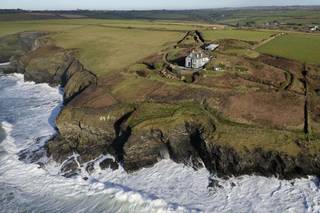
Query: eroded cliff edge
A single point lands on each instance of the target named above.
(139, 133)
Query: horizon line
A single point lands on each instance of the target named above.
(164, 9)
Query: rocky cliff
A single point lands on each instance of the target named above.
(140, 133)
(41, 61)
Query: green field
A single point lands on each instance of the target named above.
(105, 46)
(104, 49)
(245, 35)
(297, 46)
(59, 25)
(111, 45)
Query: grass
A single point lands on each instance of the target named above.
(168, 116)
(134, 89)
(58, 25)
(260, 17)
(242, 138)
(110, 49)
(297, 46)
(53, 26)
(242, 52)
(244, 35)
(238, 136)
(103, 45)
(106, 46)
(50, 60)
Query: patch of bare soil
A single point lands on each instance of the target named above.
(225, 44)
(228, 81)
(152, 61)
(94, 97)
(267, 74)
(292, 66)
(272, 109)
(180, 93)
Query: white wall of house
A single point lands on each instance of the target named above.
(196, 60)
(196, 63)
(188, 62)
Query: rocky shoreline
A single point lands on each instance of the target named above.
(122, 130)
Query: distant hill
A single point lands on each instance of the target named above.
(292, 17)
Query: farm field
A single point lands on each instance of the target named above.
(245, 35)
(104, 46)
(58, 25)
(110, 45)
(104, 49)
(297, 46)
(295, 16)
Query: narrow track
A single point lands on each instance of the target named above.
(268, 40)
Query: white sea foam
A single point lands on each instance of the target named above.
(4, 64)
(166, 187)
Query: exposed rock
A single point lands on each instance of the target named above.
(90, 167)
(109, 163)
(227, 162)
(18, 44)
(88, 132)
(70, 168)
(77, 83)
(46, 64)
(8, 68)
(143, 150)
(41, 61)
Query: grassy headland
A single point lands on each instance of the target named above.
(254, 102)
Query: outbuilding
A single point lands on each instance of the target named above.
(315, 28)
(212, 47)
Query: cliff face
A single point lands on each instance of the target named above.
(191, 141)
(41, 61)
(139, 134)
(17, 45)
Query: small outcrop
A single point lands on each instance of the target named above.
(17, 44)
(45, 64)
(77, 83)
(41, 61)
(55, 66)
(147, 146)
(88, 132)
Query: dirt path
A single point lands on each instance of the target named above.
(268, 40)
(290, 78)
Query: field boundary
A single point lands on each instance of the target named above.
(268, 40)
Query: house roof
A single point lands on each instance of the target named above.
(197, 54)
(212, 46)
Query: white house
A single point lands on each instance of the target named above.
(196, 59)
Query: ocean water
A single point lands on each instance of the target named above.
(27, 112)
